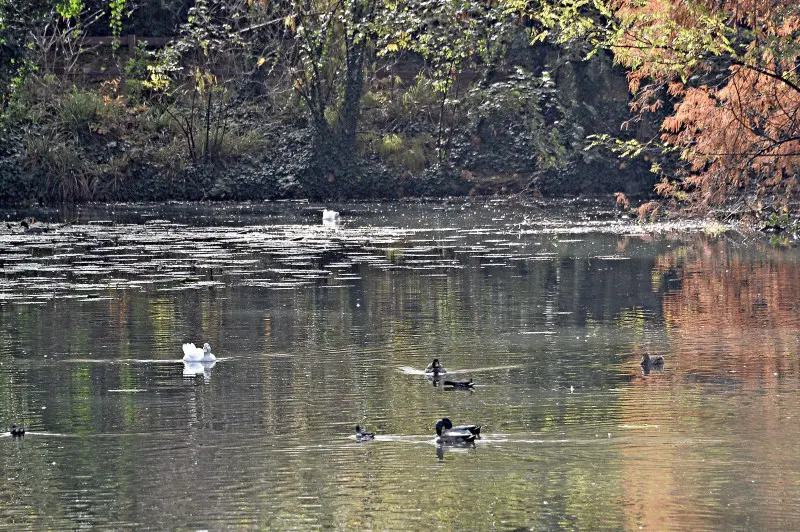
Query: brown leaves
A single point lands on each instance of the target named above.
(742, 130)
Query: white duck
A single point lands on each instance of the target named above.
(330, 218)
(191, 353)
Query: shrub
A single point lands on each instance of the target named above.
(411, 153)
(58, 159)
(77, 111)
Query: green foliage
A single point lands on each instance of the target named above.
(198, 98)
(331, 45)
(402, 151)
(625, 149)
(391, 106)
(391, 144)
(117, 11)
(239, 143)
(70, 8)
(17, 19)
(77, 111)
(15, 185)
(239, 71)
(777, 221)
(783, 232)
(451, 36)
(137, 71)
(528, 108)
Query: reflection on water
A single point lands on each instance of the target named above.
(198, 369)
(318, 329)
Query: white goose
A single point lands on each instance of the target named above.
(191, 353)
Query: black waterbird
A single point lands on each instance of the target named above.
(654, 361)
(362, 435)
(435, 368)
(459, 384)
(449, 435)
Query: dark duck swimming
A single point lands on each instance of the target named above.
(459, 384)
(362, 435)
(435, 368)
(446, 434)
(653, 361)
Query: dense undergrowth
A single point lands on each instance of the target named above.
(215, 116)
(106, 142)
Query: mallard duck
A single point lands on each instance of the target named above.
(651, 361)
(17, 431)
(459, 384)
(191, 353)
(362, 435)
(435, 368)
(452, 435)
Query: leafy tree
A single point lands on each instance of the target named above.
(194, 77)
(332, 43)
(727, 73)
(16, 21)
(451, 36)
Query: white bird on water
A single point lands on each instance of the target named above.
(329, 217)
(191, 353)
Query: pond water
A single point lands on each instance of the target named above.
(319, 328)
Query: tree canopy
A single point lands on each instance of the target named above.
(719, 77)
(723, 75)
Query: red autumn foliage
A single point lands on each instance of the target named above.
(730, 68)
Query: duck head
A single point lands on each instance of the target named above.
(435, 364)
(206, 349)
(443, 423)
(358, 429)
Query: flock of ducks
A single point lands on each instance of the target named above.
(446, 433)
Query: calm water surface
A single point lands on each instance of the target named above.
(546, 308)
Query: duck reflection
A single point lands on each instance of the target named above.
(435, 379)
(453, 447)
(197, 369)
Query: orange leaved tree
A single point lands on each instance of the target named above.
(724, 73)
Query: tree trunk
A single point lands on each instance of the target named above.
(351, 103)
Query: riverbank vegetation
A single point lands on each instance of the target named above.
(375, 99)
